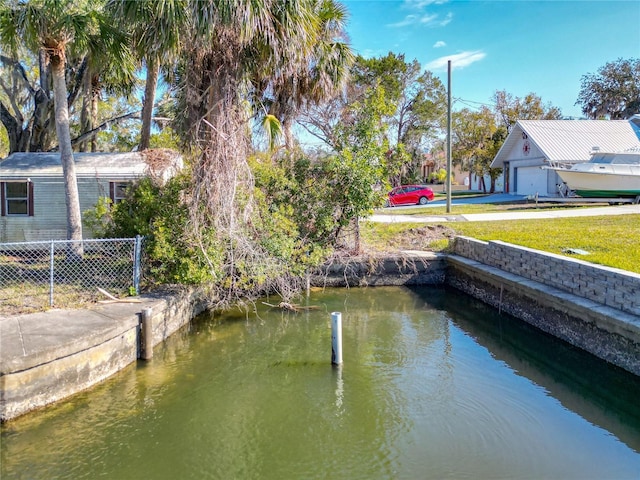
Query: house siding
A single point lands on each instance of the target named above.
(49, 220)
(94, 172)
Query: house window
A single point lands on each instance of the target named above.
(118, 191)
(17, 198)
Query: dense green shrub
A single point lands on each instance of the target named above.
(160, 214)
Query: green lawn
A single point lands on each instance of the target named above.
(612, 240)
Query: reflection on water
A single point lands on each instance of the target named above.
(433, 385)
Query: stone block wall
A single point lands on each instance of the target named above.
(612, 287)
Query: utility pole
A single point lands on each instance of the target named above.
(448, 136)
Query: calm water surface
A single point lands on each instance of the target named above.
(434, 385)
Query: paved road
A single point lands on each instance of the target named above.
(466, 200)
(519, 215)
(475, 200)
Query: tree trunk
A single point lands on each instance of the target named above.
(85, 120)
(95, 98)
(43, 63)
(147, 107)
(41, 114)
(288, 135)
(14, 131)
(74, 218)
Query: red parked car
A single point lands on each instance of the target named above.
(410, 195)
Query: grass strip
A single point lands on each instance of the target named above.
(613, 241)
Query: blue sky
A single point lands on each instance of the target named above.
(544, 47)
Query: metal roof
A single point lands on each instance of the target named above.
(571, 140)
(112, 165)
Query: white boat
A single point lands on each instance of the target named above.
(606, 175)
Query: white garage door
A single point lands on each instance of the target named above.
(531, 180)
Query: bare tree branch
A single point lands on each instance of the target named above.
(89, 134)
(13, 63)
(77, 82)
(127, 116)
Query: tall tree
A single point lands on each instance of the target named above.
(26, 105)
(417, 100)
(232, 44)
(54, 28)
(109, 68)
(614, 92)
(414, 110)
(26, 95)
(509, 108)
(157, 27)
(471, 135)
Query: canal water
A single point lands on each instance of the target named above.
(434, 385)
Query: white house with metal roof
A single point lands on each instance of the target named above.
(532, 144)
(32, 195)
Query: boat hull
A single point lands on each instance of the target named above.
(599, 184)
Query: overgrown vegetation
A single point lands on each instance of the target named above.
(301, 208)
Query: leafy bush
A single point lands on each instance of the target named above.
(440, 176)
(160, 214)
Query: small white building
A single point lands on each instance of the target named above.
(32, 194)
(532, 144)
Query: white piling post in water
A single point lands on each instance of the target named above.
(336, 338)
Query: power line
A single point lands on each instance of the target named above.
(474, 104)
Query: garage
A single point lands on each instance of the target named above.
(531, 180)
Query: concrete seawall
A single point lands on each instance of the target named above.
(49, 356)
(593, 307)
(409, 268)
(605, 332)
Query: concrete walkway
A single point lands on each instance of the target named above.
(515, 215)
(38, 338)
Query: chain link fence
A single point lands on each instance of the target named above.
(38, 275)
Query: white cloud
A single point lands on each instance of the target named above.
(447, 19)
(439, 44)
(420, 4)
(459, 60)
(423, 18)
(414, 20)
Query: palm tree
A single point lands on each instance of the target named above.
(55, 27)
(234, 46)
(232, 42)
(320, 74)
(110, 67)
(156, 28)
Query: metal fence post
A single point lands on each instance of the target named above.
(136, 264)
(52, 252)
